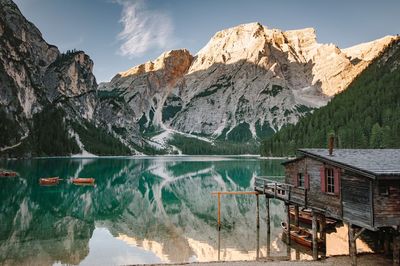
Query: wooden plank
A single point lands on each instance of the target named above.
(356, 199)
(371, 200)
(387, 207)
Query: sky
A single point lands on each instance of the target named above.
(120, 34)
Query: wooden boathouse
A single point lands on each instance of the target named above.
(360, 187)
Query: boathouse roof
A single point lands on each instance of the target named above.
(372, 162)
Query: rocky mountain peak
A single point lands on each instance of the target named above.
(245, 83)
(251, 42)
(175, 61)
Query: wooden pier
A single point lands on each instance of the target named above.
(361, 188)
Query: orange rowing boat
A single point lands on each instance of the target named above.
(49, 180)
(83, 180)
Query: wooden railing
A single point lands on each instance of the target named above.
(280, 190)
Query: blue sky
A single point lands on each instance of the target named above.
(119, 34)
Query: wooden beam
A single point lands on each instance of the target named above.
(357, 235)
(288, 224)
(352, 245)
(219, 245)
(258, 244)
(396, 247)
(219, 212)
(268, 245)
(267, 213)
(296, 215)
(322, 230)
(396, 251)
(386, 242)
(235, 193)
(258, 212)
(314, 236)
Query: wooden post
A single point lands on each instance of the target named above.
(288, 224)
(296, 215)
(219, 193)
(322, 228)
(386, 242)
(396, 249)
(267, 212)
(258, 243)
(219, 211)
(314, 235)
(268, 245)
(352, 245)
(378, 241)
(219, 245)
(258, 212)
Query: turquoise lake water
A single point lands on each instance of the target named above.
(141, 210)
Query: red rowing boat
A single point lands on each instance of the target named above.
(305, 217)
(83, 180)
(49, 180)
(8, 174)
(301, 236)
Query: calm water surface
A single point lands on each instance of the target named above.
(142, 210)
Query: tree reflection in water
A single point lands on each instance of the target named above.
(142, 210)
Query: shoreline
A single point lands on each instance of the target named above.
(365, 259)
(77, 156)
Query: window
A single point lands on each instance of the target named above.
(330, 180)
(383, 190)
(300, 179)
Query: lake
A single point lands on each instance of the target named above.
(142, 210)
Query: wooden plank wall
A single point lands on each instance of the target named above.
(387, 208)
(356, 198)
(316, 198)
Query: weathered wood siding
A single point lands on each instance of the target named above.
(356, 198)
(316, 198)
(387, 208)
(329, 203)
(291, 171)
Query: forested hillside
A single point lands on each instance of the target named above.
(366, 115)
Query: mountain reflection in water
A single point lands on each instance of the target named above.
(142, 210)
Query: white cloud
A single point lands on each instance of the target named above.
(143, 29)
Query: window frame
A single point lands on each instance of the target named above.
(330, 186)
(301, 180)
(386, 192)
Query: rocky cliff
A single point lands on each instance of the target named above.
(44, 94)
(245, 84)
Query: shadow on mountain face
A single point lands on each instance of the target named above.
(232, 100)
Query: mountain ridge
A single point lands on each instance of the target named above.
(245, 84)
(366, 115)
(247, 79)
